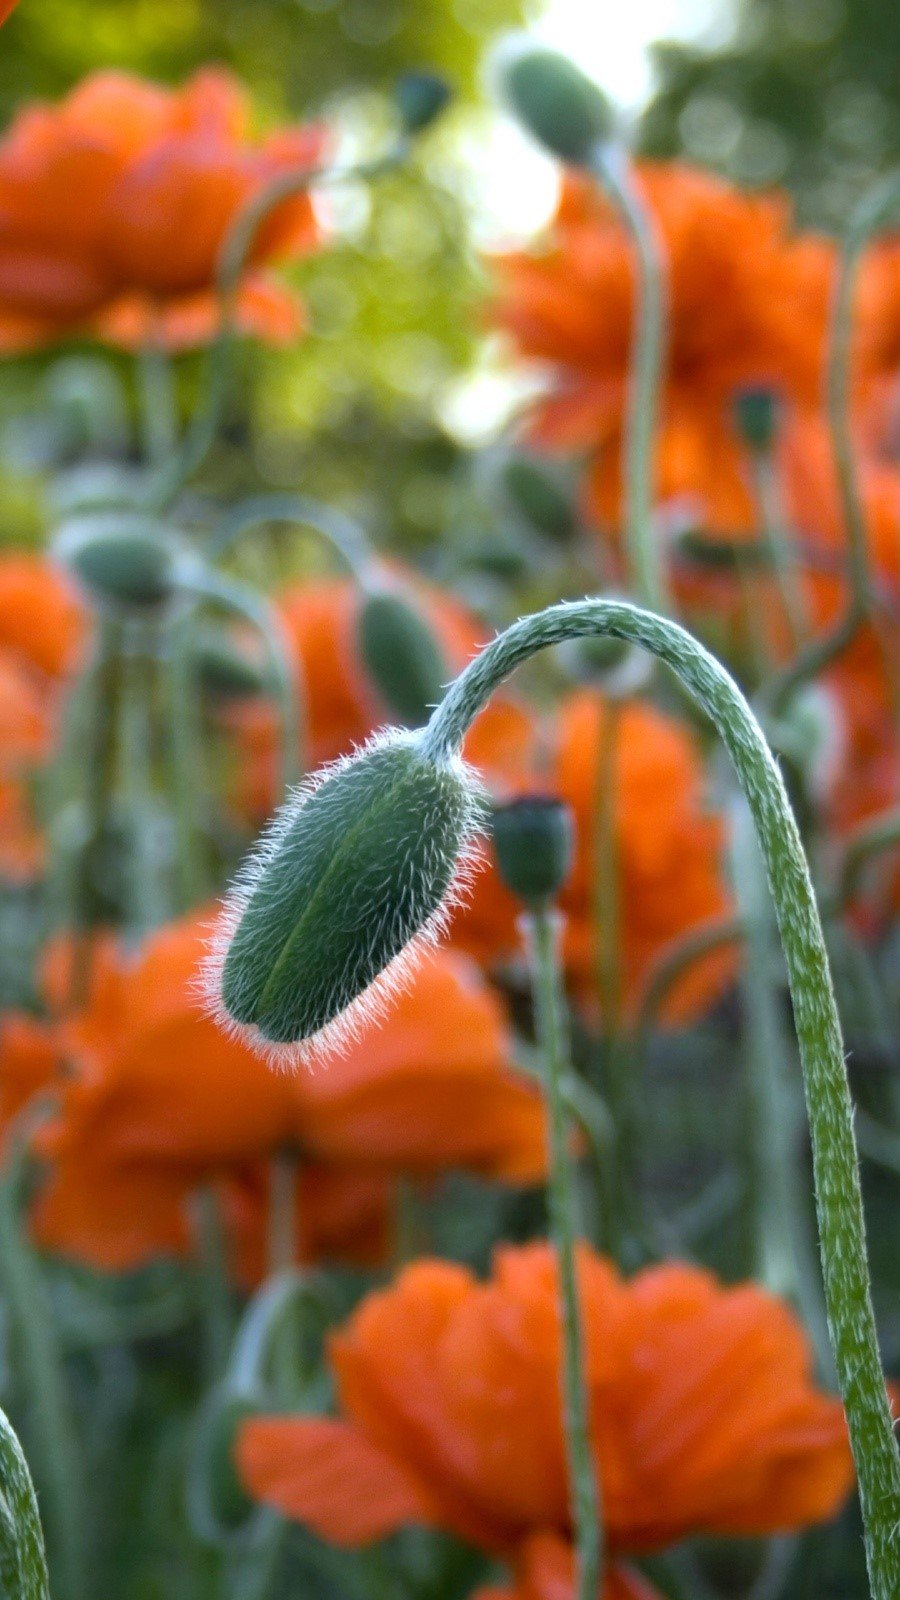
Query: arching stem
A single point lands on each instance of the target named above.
(838, 1195)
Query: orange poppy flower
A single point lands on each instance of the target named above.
(114, 205)
(29, 1063)
(704, 1415)
(341, 1218)
(668, 850)
(545, 1570)
(6, 6)
(41, 635)
(747, 305)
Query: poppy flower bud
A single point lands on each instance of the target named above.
(402, 657)
(756, 415)
(534, 843)
(225, 671)
(123, 562)
(560, 107)
(421, 98)
(359, 868)
(537, 496)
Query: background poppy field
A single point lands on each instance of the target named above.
(295, 416)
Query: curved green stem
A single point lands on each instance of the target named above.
(56, 1454)
(343, 533)
(869, 840)
(612, 169)
(838, 1196)
(266, 623)
(542, 926)
(23, 1562)
(169, 478)
(820, 652)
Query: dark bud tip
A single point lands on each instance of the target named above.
(756, 415)
(402, 657)
(225, 669)
(534, 842)
(125, 562)
(536, 495)
(421, 97)
(561, 108)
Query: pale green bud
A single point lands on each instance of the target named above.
(124, 562)
(560, 106)
(358, 870)
(402, 657)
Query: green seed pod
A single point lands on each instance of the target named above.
(536, 495)
(359, 869)
(421, 97)
(756, 415)
(217, 1502)
(124, 562)
(225, 670)
(534, 842)
(561, 107)
(402, 657)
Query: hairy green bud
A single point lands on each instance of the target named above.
(357, 871)
(402, 657)
(123, 561)
(561, 108)
(534, 843)
(421, 97)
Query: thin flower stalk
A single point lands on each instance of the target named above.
(838, 1195)
(344, 536)
(611, 167)
(542, 930)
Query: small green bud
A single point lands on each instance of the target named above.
(359, 868)
(560, 107)
(703, 552)
(756, 415)
(402, 657)
(224, 669)
(421, 97)
(534, 842)
(123, 561)
(217, 1502)
(536, 495)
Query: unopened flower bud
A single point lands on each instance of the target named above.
(225, 670)
(537, 496)
(534, 842)
(560, 107)
(421, 97)
(123, 561)
(756, 415)
(402, 657)
(358, 870)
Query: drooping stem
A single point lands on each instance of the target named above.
(23, 1562)
(342, 533)
(236, 251)
(784, 1259)
(820, 652)
(542, 928)
(612, 169)
(838, 1195)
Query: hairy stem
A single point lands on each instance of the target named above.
(838, 1195)
(23, 1562)
(542, 927)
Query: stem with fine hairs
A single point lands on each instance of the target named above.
(542, 933)
(839, 1207)
(23, 1561)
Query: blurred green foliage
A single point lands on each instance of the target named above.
(803, 93)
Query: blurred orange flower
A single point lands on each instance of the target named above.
(747, 305)
(668, 846)
(157, 1097)
(114, 205)
(41, 634)
(704, 1414)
